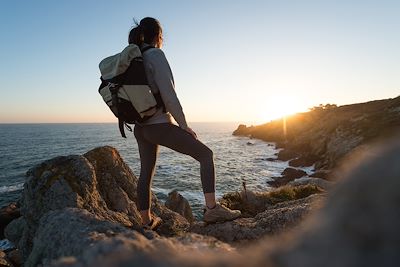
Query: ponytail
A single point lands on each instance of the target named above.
(145, 31)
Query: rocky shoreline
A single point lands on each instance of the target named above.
(80, 210)
(95, 193)
(325, 135)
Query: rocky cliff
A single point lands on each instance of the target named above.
(72, 203)
(80, 211)
(326, 134)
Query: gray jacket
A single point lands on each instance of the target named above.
(161, 80)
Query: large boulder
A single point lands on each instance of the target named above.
(98, 182)
(118, 186)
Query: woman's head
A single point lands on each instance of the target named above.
(147, 31)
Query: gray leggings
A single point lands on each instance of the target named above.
(169, 135)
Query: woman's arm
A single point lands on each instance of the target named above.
(165, 82)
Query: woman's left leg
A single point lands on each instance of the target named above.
(175, 138)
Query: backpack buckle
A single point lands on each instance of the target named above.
(113, 87)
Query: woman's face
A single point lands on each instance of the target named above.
(158, 40)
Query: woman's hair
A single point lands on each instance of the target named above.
(145, 32)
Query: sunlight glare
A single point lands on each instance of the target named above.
(278, 106)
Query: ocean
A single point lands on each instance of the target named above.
(237, 159)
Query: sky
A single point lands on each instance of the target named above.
(242, 61)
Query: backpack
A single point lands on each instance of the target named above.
(125, 89)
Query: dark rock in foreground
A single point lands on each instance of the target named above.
(7, 214)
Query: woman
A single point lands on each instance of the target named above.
(159, 129)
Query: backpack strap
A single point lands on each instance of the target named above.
(160, 102)
(114, 95)
(121, 127)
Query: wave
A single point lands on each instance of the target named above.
(11, 188)
(6, 244)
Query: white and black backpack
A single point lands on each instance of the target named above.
(125, 89)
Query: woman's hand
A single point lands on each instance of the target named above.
(189, 130)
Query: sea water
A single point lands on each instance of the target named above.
(237, 159)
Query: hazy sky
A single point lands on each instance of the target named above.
(232, 60)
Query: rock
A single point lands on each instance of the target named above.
(3, 260)
(135, 251)
(15, 257)
(7, 214)
(55, 238)
(14, 231)
(303, 161)
(250, 144)
(286, 154)
(271, 159)
(293, 173)
(252, 203)
(280, 144)
(279, 181)
(87, 237)
(179, 204)
(272, 220)
(323, 174)
(360, 222)
(64, 182)
(289, 174)
(173, 223)
(122, 195)
(242, 130)
(324, 184)
(98, 182)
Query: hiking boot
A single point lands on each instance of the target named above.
(153, 224)
(220, 214)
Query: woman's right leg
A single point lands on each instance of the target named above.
(148, 156)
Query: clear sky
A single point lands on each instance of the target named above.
(245, 61)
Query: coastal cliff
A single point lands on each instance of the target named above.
(327, 133)
(80, 211)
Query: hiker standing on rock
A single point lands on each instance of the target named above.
(159, 129)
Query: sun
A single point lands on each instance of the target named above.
(279, 106)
